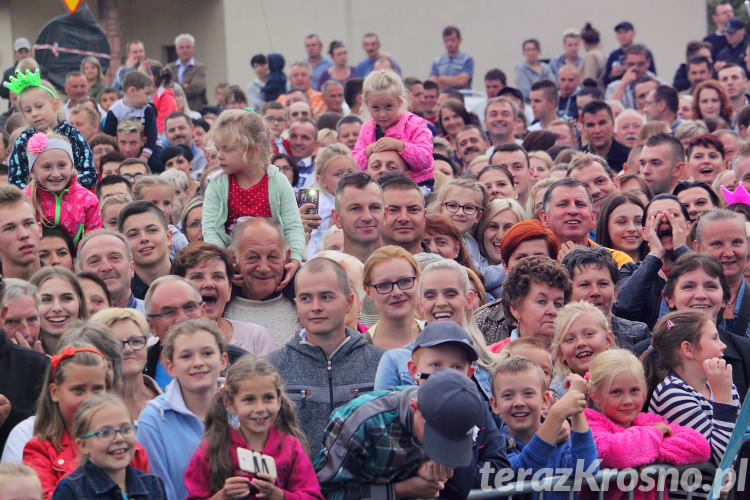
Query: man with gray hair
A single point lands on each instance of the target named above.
(189, 73)
(315, 58)
(108, 254)
(19, 313)
(568, 211)
(721, 233)
(300, 78)
(262, 254)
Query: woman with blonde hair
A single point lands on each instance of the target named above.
(390, 277)
(130, 328)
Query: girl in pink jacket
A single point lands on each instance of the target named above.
(254, 397)
(391, 128)
(54, 191)
(624, 436)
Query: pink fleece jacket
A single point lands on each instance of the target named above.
(296, 475)
(642, 444)
(76, 209)
(413, 132)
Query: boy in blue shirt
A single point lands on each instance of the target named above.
(520, 396)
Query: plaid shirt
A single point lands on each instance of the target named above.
(368, 446)
(83, 158)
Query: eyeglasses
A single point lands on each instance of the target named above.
(468, 209)
(275, 120)
(387, 286)
(132, 177)
(171, 312)
(136, 343)
(107, 435)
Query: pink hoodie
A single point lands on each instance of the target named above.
(296, 475)
(413, 132)
(643, 444)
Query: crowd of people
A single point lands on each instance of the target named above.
(346, 282)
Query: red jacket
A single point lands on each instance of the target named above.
(52, 464)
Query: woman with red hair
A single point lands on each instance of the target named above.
(524, 239)
(710, 101)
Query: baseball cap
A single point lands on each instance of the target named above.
(445, 332)
(624, 25)
(21, 43)
(734, 25)
(450, 404)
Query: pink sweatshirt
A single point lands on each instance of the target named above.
(296, 475)
(417, 139)
(76, 209)
(642, 444)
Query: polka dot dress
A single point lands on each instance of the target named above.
(247, 202)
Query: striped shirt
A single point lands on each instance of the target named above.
(679, 403)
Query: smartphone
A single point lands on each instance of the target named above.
(309, 195)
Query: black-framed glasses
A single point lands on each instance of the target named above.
(107, 435)
(387, 286)
(468, 209)
(136, 343)
(171, 312)
(132, 177)
(275, 120)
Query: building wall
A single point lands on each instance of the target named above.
(229, 32)
(492, 30)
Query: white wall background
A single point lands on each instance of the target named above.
(229, 32)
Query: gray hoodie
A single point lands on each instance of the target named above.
(318, 384)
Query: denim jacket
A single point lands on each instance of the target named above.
(90, 482)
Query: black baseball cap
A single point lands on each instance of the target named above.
(452, 408)
(624, 25)
(445, 332)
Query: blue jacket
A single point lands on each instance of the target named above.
(170, 434)
(539, 454)
(393, 372)
(91, 482)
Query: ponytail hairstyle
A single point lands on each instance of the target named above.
(487, 358)
(669, 333)
(49, 424)
(217, 421)
(88, 409)
(609, 364)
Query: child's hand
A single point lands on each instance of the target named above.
(387, 144)
(266, 488)
(719, 375)
(572, 403)
(236, 487)
(576, 383)
(290, 268)
(664, 428)
(564, 433)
